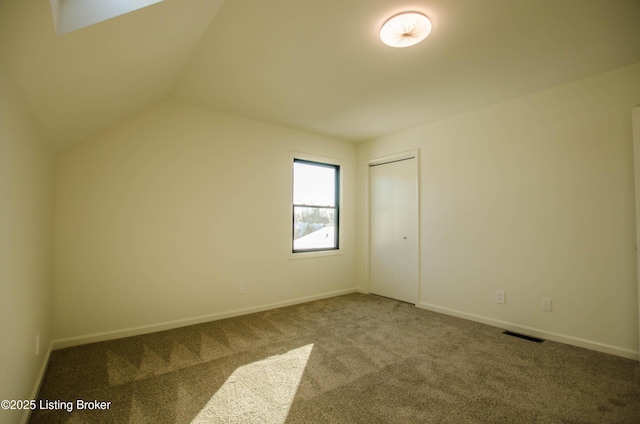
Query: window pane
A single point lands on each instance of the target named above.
(314, 228)
(314, 184)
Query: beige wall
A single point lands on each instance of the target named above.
(534, 196)
(26, 215)
(159, 219)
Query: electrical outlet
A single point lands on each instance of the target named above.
(546, 304)
(37, 344)
(499, 296)
(241, 288)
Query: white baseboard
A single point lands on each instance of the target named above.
(152, 328)
(36, 387)
(530, 331)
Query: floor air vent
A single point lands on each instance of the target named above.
(522, 336)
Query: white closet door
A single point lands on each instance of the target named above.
(394, 230)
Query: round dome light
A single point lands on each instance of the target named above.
(405, 29)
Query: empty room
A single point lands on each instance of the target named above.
(296, 211)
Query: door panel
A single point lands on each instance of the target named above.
(394, 230)
(382, 264)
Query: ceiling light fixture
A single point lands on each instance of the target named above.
(405, 29)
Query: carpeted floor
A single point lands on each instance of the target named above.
(349, 359)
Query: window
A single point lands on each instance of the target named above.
(70, 15)
(316, 206)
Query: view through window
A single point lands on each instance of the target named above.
(315, 205)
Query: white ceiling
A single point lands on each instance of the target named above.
(308, 64)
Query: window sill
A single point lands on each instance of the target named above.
(305, 255)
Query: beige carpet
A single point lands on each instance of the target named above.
(350, 359)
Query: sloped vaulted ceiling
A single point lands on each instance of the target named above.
(308, 64)
(84, 81)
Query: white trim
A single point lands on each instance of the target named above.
(535, 332)
(331, 161)
(152, 328)
(26, 416)
(410, 154)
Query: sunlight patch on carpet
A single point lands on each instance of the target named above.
(262, 391)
